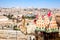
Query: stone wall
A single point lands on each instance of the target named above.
(12, 35)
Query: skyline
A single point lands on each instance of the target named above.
(30, 3)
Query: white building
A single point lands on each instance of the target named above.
(3, 18)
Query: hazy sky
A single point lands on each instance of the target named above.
(30, 3)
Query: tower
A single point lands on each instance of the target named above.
(53, 25)
(40, 23)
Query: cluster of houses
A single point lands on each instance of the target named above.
(27, 20)
(13, 16)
